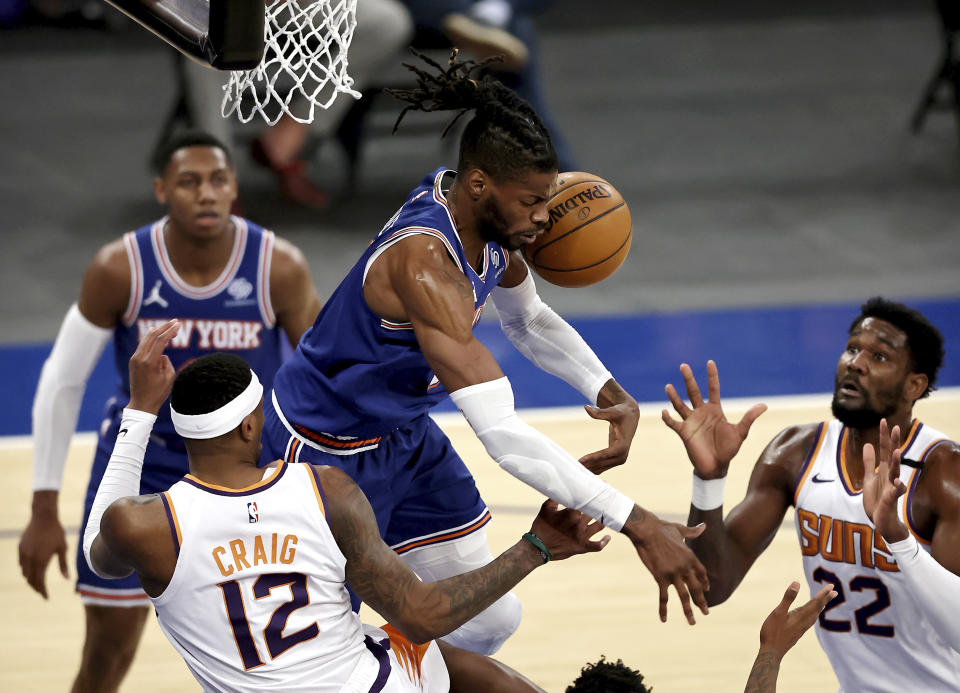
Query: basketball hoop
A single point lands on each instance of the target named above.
(304, 65)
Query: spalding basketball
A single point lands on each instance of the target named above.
(588, 235)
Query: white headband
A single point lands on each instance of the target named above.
(222, 420)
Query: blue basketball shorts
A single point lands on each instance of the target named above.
(420, 490)
(165, 463)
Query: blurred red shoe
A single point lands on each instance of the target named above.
(292, 178)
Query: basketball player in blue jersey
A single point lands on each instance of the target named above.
(234, 287)
(397, 336)
(895, 623)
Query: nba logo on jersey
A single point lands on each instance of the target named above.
(240, 290)
(253, 515)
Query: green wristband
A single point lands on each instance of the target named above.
(541, 547)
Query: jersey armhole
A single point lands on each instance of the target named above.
(172, 520)
(808, 463)
(318, 490)
(136, 278)
(263, 279)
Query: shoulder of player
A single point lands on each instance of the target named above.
(111, 263)
(106, 285)
(133, 523)
(288, 269)
(336, 483)
(941, 475)
(788, 450)
(422, 260)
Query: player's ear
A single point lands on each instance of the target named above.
(476, 183)
(915, 386)
(158, 190)
(248, 427)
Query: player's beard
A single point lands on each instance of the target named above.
(492, 226)
(869, 414)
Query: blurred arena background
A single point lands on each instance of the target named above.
(764, 149)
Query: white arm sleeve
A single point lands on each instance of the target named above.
(122, 475)
(56, 404)
(533, 458)
(935, 589)
(547, 340)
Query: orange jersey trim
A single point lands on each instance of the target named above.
(262, 482)
(334, 442)
(446, 537)
(176, 520)
(907, 440)
(811, 460)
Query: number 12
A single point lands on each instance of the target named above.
(277, 642)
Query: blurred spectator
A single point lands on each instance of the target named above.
(383, 29)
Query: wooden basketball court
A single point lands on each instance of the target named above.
(574, 611)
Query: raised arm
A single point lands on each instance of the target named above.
(933, 578)
(133, 525)
(85, 331)
(423, 611)
(554, 346)
(293, 295)
(419, 283)
(728, 547)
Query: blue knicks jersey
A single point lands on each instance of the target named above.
(233, 313)
(356, 376)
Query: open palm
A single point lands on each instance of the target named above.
(711, 441)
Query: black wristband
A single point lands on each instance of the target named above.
(541, 547)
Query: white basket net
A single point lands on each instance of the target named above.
(304, 63)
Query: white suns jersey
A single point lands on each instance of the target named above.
(876, 639)
(257, 600)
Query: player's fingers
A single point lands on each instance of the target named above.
(869, 457)
(165, 333)
(713, 382)
(692, 532)
(791, 594)
(895, 438)
(664, 598)
(598, 544)
(62, 555)
(693, 390)
(883, 443)
(895, 464)
(697, 591)
(672, 423)
(35, 577)
(680, 586)
(753, 413)
(595, 461)
(678, 405)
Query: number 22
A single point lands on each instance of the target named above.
(864, 613)
(277, 642)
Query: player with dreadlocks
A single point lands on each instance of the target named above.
(397, 336)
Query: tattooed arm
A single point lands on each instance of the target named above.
(423, 611)
(780, 631)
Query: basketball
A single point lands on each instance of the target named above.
(588, 235)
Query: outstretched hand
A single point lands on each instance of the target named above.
(662, 548)
(567, 532)
(711, 441)
(151, 373)
(882, 485)
(618, 408)
(783, 628)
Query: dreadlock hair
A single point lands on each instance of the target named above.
(187, 138)
(504, 138)
(207, 383)
(604, 677)
(923, 339)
